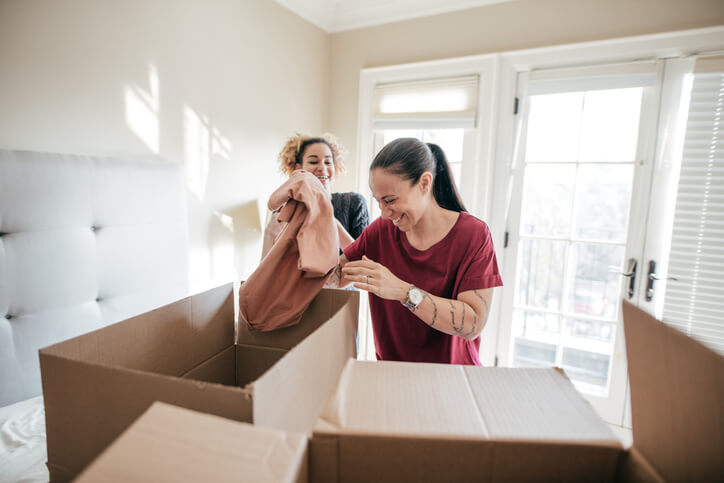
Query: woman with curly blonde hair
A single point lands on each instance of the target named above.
(322, 156)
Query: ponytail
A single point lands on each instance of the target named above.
(443, 188)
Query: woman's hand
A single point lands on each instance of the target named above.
(375, 278)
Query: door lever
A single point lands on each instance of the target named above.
(651, 278)
(630, 273)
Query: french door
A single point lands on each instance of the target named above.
(581, 186)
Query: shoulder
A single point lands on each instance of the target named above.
(380, 228)
(472, 224)
(473, 231)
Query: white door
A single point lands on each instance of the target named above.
(577, 223)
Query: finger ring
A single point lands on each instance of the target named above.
(368, 279)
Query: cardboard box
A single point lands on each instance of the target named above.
(187, 354)
(396, 421)
(427, 422)
(677, 404)
(171, 444)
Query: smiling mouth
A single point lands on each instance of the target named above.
(323, 178)
(397, 220)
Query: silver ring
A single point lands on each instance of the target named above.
(368, 279)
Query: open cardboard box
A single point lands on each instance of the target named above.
(397, 421)
(392, 421)
(188, 354)
(171, 444)
(677, 404)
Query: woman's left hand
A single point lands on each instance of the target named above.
(375, 278)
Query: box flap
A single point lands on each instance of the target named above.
(406, 399)
(403, 398)
(168, 443)
(535, 404)
(169, 340)
(677, 399)
(290, 396)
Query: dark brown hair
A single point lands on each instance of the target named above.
(410, 157)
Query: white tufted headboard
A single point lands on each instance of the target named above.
(84, 242)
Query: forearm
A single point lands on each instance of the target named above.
(450, 316)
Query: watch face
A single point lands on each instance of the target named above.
(415, 295)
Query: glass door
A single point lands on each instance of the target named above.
(576, 226)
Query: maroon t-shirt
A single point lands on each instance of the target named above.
(463, 260)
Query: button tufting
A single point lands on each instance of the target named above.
(94, 228)
(98, 299)
(9, 316)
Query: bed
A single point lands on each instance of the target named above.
(84, 242)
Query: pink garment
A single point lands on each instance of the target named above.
(301, 259)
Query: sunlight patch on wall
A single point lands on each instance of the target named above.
(142, 108)
(202, 142)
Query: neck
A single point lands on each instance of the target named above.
(432, 227)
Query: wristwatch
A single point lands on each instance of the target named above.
(414, 298)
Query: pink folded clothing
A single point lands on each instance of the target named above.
(302, 258)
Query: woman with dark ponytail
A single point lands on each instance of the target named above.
(428, 265)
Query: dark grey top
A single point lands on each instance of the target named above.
(351, 211)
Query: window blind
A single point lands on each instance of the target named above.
(429, 104)
(694, 303)
(619, 76)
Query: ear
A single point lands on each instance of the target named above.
(425, 182)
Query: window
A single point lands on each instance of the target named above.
(694, 301)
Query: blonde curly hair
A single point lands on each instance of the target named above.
(293, 150)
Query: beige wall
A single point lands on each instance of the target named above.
(519, 24)
(215, 84)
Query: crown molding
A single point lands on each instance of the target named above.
(340, 15)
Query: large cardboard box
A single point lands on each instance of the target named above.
(396, 421)
(677, 404)
(174, 445)
(188, 354)
(427, 422)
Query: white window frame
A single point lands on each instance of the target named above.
(496, 123)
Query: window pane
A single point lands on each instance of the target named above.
(456, 171)
(603, 193)
(540, 273)
(547, 197)
(450, 140)
(586, 367)
(596, 282)
(529, 353)
(610, 125)
(590, 330)
(554, 127)
(392, 134)
(535, 325)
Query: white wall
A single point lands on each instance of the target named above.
(215, 84)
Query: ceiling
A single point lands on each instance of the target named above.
(340, 15)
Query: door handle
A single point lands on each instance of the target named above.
(651, 278)
(630, 273)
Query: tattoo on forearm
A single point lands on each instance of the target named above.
(485, 302)
(475, 323)
(462, 322)
(452, 318)
(434, 308)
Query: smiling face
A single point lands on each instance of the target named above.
(318, 160)
(400, 200)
